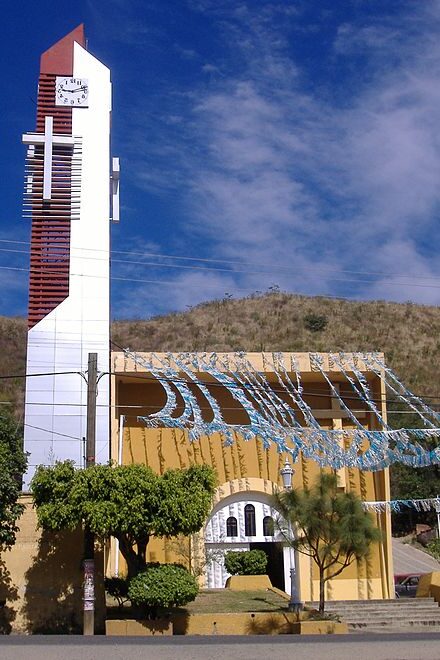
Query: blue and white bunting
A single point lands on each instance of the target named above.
(279, 414)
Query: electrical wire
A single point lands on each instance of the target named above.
(249, 387)
(333, 396)
(48, 373)
(209, 270)
(227, 261)
(142, 406)
(210, 285)
(39, 428)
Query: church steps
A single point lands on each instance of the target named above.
(406, 614)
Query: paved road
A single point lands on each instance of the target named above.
(408, 559)
(284, 647)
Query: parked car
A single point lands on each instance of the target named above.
(405, 586)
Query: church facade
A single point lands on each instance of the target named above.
(248, 471)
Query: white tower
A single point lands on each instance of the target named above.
(67, 197)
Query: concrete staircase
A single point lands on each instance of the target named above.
(400, 615)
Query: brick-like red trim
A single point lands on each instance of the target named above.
(50, 235)
(58, 59)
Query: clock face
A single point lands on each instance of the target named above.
(73, 92)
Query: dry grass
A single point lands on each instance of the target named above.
(225, 600)
(13, 358)
(216, 601)
(408, 334)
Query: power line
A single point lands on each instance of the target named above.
(72, 437)
(39, 428)
(143, 281)
(49, 373)
(121, 348)
(228, 271)
(205, 408)
(216, 285)
(247, 387)
(230, 261)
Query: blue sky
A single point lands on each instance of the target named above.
(262, 143)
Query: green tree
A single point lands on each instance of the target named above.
(12, 465)
(330, 526)
(408, 483)
(129, 502)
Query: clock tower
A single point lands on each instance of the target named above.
(69, 189)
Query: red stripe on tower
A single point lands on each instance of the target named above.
(50, 236)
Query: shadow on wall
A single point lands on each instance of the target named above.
(52, 601)
(270, 624)
(8, 595)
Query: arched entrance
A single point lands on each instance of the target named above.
(245, 521)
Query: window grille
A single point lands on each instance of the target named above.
(231, 526)
(268, 526)
(249, 520)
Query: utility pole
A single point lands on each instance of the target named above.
(89, 540)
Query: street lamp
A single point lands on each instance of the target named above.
(287, 473)
(295, 604)
(437, 510)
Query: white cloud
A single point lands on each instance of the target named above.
(272, 172)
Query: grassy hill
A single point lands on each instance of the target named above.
(409, 334)
(12, 361)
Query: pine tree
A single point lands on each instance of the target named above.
(328, 525)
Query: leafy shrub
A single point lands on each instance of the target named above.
(249, 562)
(118, 588)
(315, 322)
(162, 586)
(434, 548)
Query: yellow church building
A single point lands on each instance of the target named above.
(244, 415)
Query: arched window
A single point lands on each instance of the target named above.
(268, 526)
(249, 520)
(231, 526)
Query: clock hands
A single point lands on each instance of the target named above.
(71, 91)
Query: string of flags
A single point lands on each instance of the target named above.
(396, 506)
(278, 413)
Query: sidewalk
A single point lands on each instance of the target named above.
(408, 559)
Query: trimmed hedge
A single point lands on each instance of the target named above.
(248, 562)
(161, 587)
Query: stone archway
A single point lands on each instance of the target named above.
(230, 527)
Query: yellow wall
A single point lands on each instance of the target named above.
(248, 466)
(41, 580)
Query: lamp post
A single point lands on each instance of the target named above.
(437, 510)
(295, 604)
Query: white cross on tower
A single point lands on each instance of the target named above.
(48, 140)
